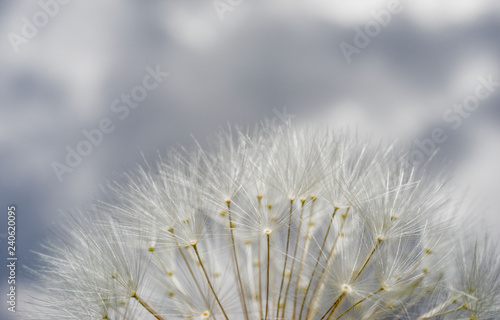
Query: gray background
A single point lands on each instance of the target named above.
(264, 59)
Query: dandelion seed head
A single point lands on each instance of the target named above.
(272, 223)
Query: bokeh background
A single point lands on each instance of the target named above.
(235, 62)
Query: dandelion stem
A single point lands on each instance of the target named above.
(259, 198)
(294, 256)
(372, 251)
(360, 301)
(318, 259)
(208, 280)
(136, 297)
(334, 306)
(189, 268)
(236, 268)
(147, 307)
(304, 253)
(286, 257)
(319, 285)
(267, 275)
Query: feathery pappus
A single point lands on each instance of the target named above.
(272, 223)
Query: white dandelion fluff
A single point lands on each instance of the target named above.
(289, 223)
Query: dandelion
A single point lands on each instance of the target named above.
(291, 223)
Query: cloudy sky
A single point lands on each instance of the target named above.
(150, 75)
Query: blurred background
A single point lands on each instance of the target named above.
(87, 87)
